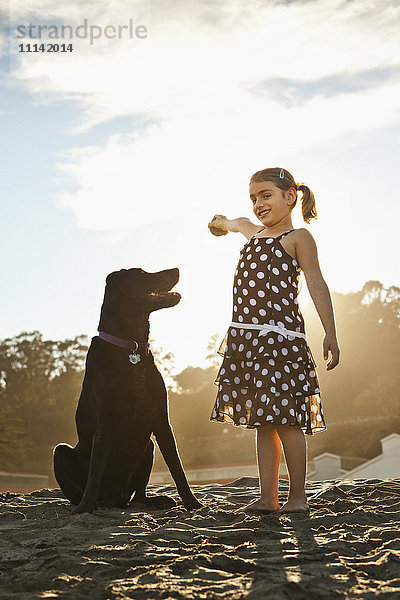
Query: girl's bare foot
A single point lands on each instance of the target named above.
(259, 506)
(295, 505)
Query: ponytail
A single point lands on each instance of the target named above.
(308, 207)
(284, 181)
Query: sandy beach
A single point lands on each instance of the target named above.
(348, 547)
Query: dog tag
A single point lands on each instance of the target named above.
(134, 358)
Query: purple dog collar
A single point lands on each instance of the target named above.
(107, 337)
(133, 346)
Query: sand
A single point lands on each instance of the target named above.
(348, 547)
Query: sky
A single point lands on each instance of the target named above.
(118, 153)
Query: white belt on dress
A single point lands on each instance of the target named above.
(266, 328)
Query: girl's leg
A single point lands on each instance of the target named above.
(269, 455)
(269, 450)
(295, 450)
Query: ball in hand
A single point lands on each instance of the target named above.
(217, 231)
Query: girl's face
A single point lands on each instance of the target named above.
(270, 204)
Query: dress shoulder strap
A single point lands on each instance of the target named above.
(277, 237)
(261, 228)
(284, 233)
(255, 235)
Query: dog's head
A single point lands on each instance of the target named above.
(143, 291)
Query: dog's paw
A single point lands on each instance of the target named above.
(82, 508)
(160, 502)
(192, 503)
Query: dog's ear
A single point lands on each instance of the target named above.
(116, 278)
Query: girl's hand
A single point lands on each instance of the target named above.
(219, 225)
(330, 344)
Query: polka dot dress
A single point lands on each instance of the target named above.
(268, 375)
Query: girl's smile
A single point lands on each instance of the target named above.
(262, 212)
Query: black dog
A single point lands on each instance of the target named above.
(122, 402)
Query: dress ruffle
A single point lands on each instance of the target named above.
(261, 382)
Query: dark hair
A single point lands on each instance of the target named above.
(284, 181)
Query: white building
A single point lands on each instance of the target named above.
(386, 464)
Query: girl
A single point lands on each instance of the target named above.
(267, 379)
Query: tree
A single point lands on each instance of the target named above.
(39, 385)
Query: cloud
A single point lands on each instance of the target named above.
(291, 93)
(183, 165)
(221, 89)
(199, 61)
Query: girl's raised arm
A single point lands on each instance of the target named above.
(241, 224)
